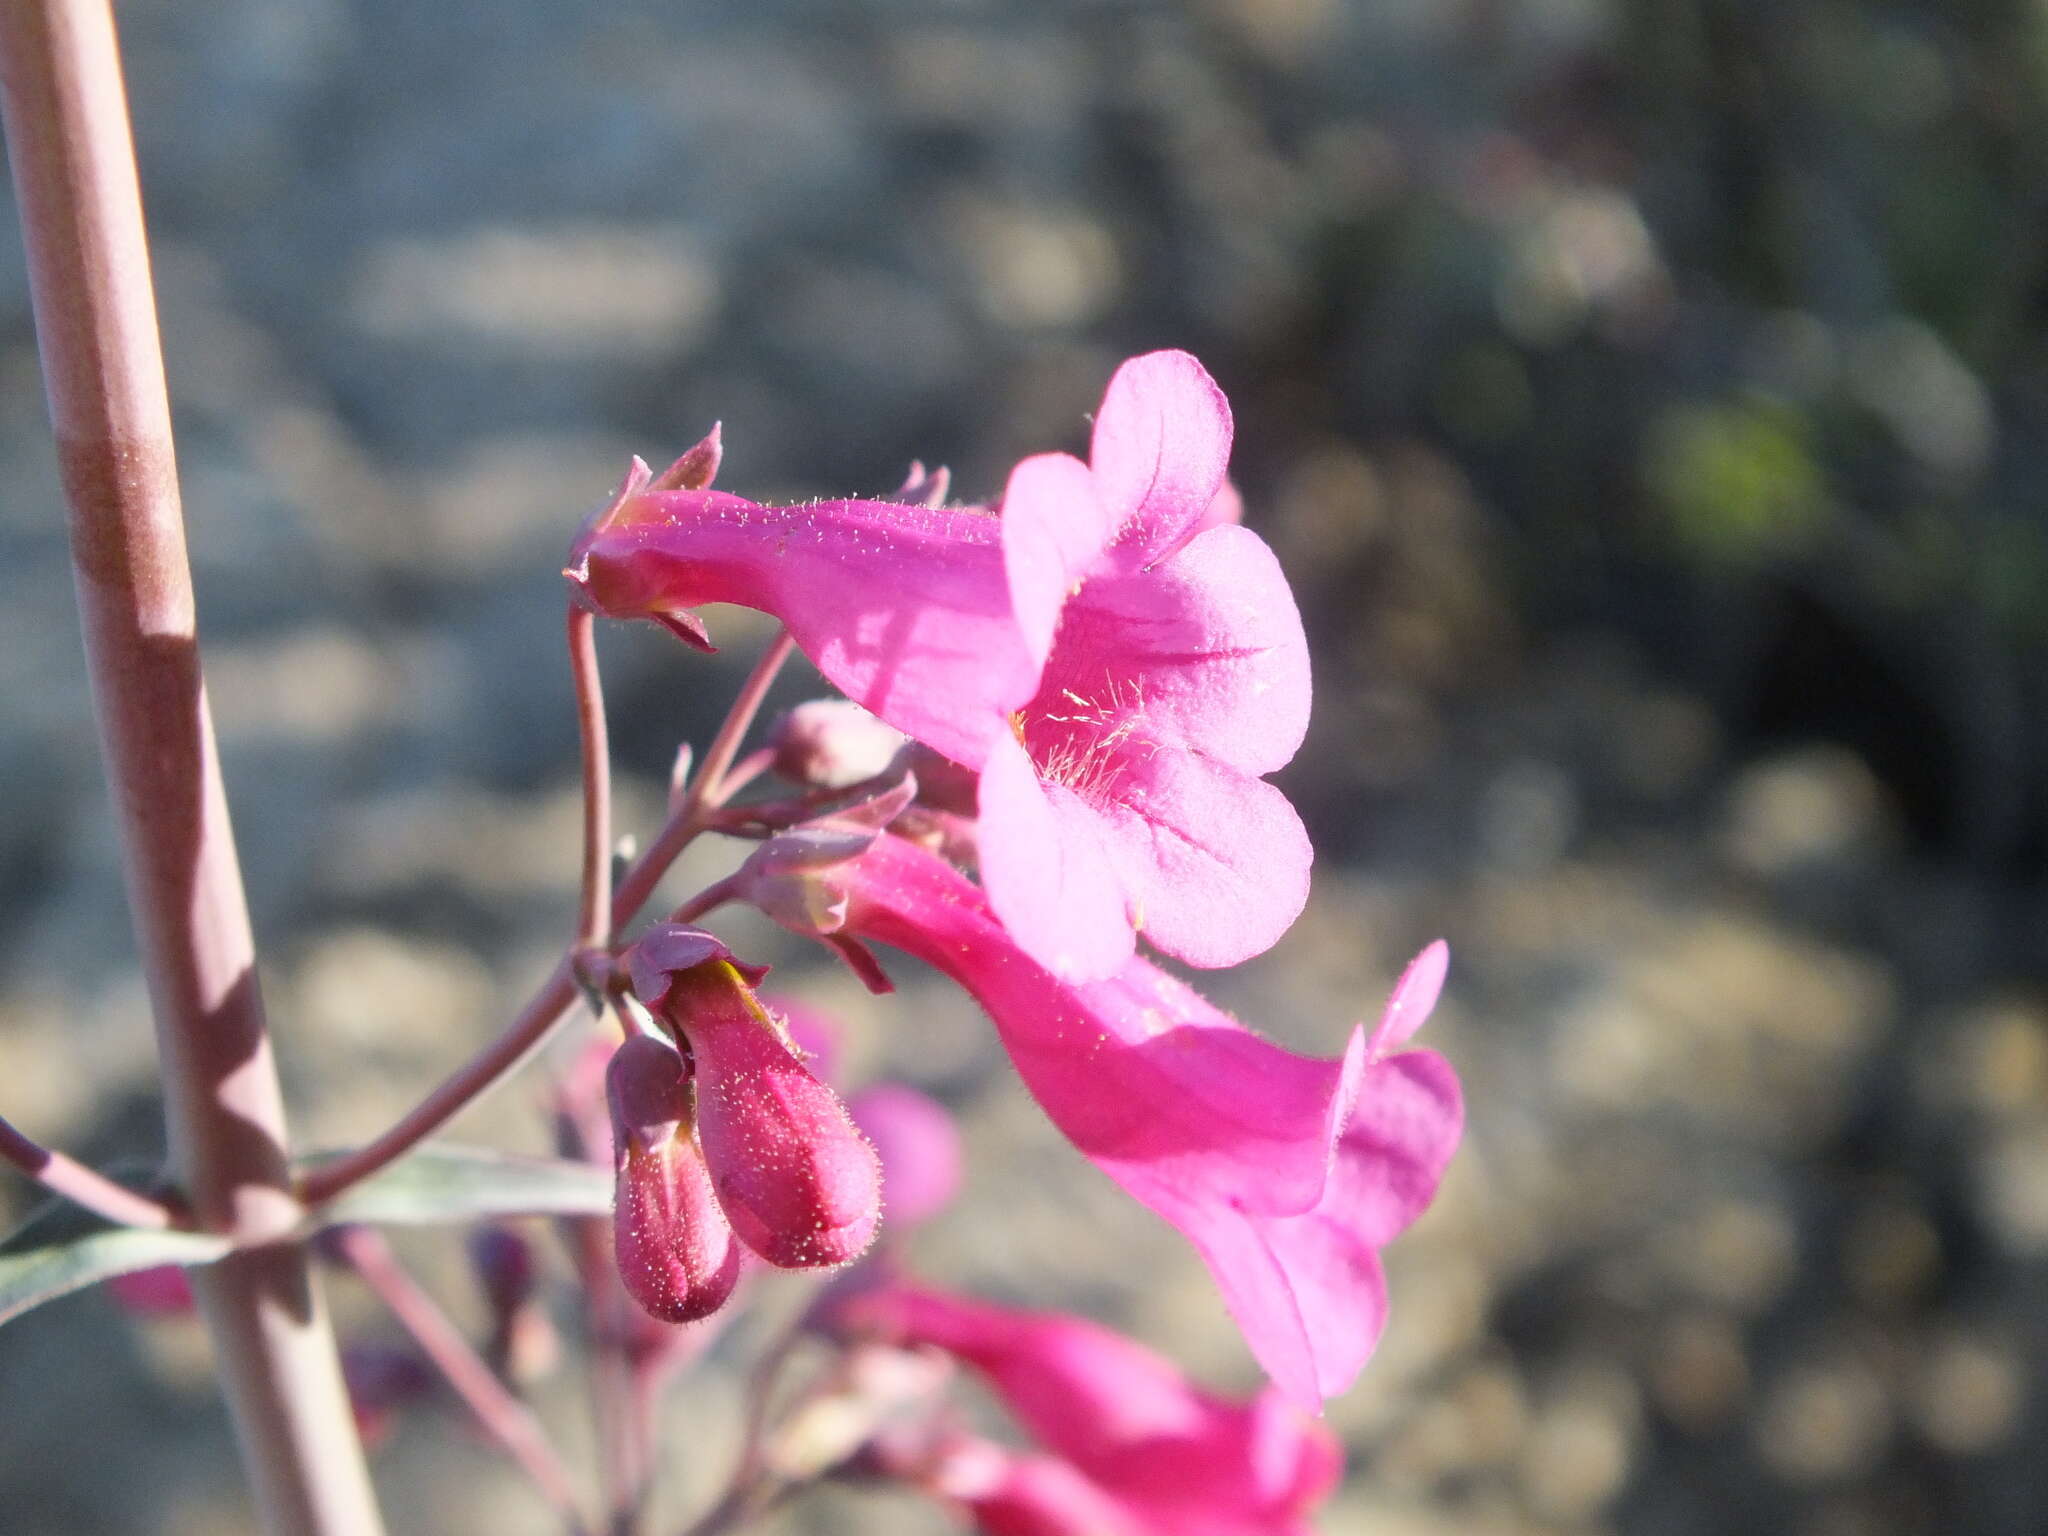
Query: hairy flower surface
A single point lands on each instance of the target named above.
(799, 1183)
(1118, 660)
(675, 1249)
(1181, 1459)
(1287, 1173)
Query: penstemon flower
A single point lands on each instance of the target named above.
(1117, 659)
(1287, 1173)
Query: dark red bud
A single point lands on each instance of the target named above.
(674, 1247)
(799, 1183)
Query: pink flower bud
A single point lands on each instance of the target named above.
(799, 1183)
(674, 1247)
(833, 744)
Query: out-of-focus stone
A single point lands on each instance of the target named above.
(1580, 1446)
(1700, 1372)
(1824, 1421)
(1739, 1253)
(1969, 1393)
(1814, 806)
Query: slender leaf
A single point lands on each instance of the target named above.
(439, 1183)
(62, 1248)
(30, 1276)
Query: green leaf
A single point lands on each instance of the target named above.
(62, 1248)
(446, 1183)
(32, 1275)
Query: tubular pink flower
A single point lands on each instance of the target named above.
(1118, 660)
(1188, 1461)
(799, 1183)
(1287, 1173)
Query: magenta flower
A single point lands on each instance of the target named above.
(1118, 660)
(1181, 1460)
(1287, 1173)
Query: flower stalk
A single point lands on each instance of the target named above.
(73, 160)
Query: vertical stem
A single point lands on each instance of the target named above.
(594, 907)
(74, 176)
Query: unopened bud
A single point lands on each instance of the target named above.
(832, 743)
(942, 784)
(799, 1183)
(674, 1247)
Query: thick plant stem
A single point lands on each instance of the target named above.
(74, 176)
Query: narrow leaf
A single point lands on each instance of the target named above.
(30, 1276)
(439, 1183)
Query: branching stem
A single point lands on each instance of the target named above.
(75, 1182)
(503, 1417)
(691, 817)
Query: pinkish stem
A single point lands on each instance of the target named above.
(594, 908)
(76, 1182)
(73, 160)
(691, 816)
(504, 1417)
(704, 791)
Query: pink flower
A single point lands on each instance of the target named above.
(1118, 660)
(796, 1179)
(1178, 1459)
(1287, 1173)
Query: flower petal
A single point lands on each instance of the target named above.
(1205, 649)
(1046, 870)
(1286, 1172)
(1055, 529)
(905, 609)
(1414, 996)
(1162, 442)
(1215, 863)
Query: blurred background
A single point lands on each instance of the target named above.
(1649, 400)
